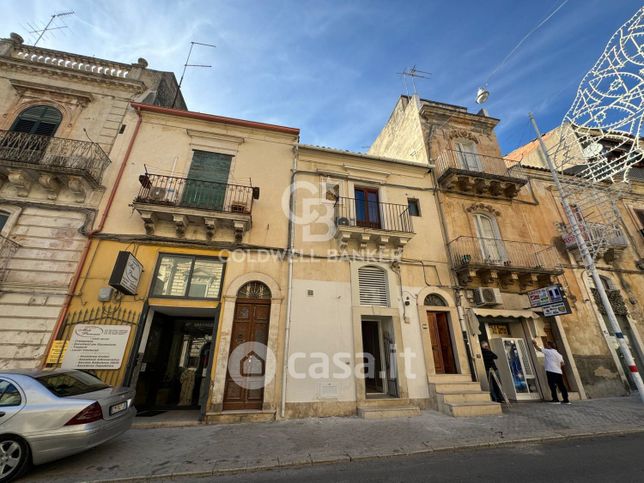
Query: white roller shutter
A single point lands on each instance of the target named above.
(373, 286)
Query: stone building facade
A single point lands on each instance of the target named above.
(60, 115)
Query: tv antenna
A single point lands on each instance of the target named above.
(188, 64)
(48, 27)
(412, 74)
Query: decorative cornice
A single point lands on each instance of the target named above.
(479, 207)
(462, 134)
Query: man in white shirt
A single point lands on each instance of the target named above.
(553, 364)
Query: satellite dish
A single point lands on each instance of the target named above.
(481, 95)
(592, 150)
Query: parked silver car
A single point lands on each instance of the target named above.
(49, 414)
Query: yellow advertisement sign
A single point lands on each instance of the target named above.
(57, 351)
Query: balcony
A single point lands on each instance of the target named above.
(508, 262)
(184, 201)
(477, 174)
(55, 163)
(8, 248)
(606, 239)
(386, 224)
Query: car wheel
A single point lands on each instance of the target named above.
(14, 457)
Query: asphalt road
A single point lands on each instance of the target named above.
(608, 459)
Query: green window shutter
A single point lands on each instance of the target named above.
(207, 168)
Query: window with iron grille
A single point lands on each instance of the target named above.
(373, 286)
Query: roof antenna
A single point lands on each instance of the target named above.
(413, 73)
(187, 64)
(48, 27)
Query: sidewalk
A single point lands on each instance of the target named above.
(204, 450)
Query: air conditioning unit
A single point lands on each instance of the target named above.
(157, 193)
(342, 221)
(487, 296)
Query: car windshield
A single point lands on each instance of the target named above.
(71, 383)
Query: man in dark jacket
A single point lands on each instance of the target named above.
(489, 358)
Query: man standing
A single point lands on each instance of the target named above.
(488, 361)
(553, 364)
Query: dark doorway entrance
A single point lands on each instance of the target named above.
(173, 372)
(250, 325)
(441, 343)
(373, 364)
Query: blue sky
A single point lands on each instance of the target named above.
(329, 67)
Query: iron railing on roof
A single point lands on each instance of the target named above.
(69, 156)
(476, 253)
(194, 193)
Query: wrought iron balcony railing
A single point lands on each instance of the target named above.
(8, 248)
(193, 193)
(596, 234)
(373, 214)
(69, 156)
(475, 163)
(477, 253)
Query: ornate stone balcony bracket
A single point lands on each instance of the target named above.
(21, 180)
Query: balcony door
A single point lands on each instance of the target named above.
(367, 207)
(207, 181)
(468, 157)
(36, 126)
(490, 241)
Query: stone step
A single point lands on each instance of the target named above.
(468, 409)
(240, 417)
(464, 397)
(443, 378)
(453, 387)
(383, 402)
(388, 412)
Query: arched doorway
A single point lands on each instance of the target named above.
(244, 387)
(440, 335)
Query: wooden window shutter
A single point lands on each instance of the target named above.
(373, 286)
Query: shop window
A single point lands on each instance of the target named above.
(435, 300)
(9, 395)
(413, 206)
(373, 286)
(42, 120)
(186, 276)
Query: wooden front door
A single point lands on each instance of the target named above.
(441, 343)
(250, 324)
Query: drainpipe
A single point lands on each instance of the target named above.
(79, 268)
(289, 298)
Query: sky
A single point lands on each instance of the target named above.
(331, 67)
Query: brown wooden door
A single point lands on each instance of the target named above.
(441, 343)
(250, 324)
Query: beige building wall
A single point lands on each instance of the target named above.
(50, 210)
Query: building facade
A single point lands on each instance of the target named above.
(499, 246)
(619, 262)
(196, 213)
(61, 116)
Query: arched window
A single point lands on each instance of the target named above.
(489, 239)
(435, 300)
(467, 155)
(374, 289)
(254, 290)
(43, 120)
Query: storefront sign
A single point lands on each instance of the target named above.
(126, 274)
(57, 351)
(498, 329)
(557, 309)
(552, 294)
(96, 347)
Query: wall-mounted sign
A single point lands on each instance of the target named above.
(552, 299)
(126, 273)
(552, 294)
(57, 351)
(498, 329)
(96, 347)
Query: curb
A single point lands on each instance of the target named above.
(347, 458)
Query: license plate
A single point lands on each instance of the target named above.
(117, 408)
